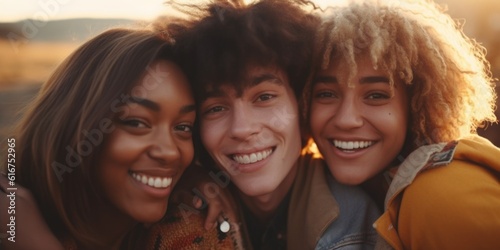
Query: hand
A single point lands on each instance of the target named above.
(201, 189)
(31, 230)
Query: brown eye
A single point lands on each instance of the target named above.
(135, 123)
(375, 96)
(265, 97)
(184, 128)
(324, 94)
(215, 109)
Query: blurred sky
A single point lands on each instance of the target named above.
(15, 10)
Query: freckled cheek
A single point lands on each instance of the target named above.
(403, 108)
(318, 120)
(393, 121)
(381, 117)
(400, 115)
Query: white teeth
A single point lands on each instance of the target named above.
(166, 182)
(350, 145)
(156, 182)
(253, 157)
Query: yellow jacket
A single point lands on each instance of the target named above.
(453, 202)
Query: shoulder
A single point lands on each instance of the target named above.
(452, 205)
(473, 172)
(446, 185)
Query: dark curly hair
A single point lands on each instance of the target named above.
(219, 42)
(225, 38)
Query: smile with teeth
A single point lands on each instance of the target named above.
(350, 145)
(253, 157)
(156, 182)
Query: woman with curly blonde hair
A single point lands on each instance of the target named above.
(400, 89)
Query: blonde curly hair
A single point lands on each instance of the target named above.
(449, 80)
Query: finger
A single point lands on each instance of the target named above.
(229, 207)
(198, 202)
(214, 210)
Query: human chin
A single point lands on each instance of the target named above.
(353, 172)
(346, 175)
(256, 185)
(151, 213)
(140, 209)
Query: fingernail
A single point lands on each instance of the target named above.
(197, 202)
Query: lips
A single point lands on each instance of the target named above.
(153, 181)
(252, 157)
(352, 145)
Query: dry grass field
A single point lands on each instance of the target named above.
(23, 68)
(30, 63)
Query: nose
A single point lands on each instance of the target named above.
(348, 115)
(244, 124)
(164, 147)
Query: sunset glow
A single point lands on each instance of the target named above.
(11, 11)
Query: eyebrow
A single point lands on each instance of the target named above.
(258, 79)
(187, 109)
(155, 107)
(374, 79)
(363, 80)
(145, 103)
(253, 81)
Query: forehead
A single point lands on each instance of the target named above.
(254, 77)
(348, 62)
(346, 67)
(353, 71)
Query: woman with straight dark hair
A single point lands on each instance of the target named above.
(106, 140)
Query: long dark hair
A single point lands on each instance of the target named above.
(62, 133)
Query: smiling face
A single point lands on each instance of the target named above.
(254, 136)
(360, 129)
(151, 144)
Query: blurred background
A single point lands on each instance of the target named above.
(36, 35)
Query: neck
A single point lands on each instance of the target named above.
(110, 227)
(264, 207)
(377, 188)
